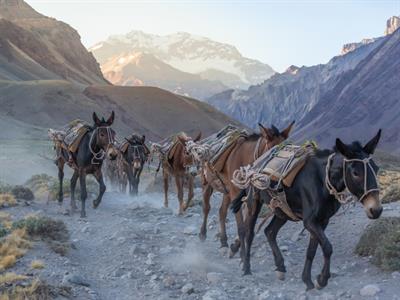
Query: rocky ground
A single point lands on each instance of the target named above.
(133, 248)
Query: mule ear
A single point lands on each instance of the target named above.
(197, 138)
(285, 133)
(266, 132)
(182, 139)
(111, 119)
(143, 138)
(96, 119)
(371, 145)
(342, 148)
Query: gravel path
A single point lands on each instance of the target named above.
(132, 248)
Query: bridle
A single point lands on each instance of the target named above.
(99, 155)
(342, 196)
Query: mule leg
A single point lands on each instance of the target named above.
(251, 221)
(165, 182)
(74, 180)
(179, 188)
(137, 177)
(207, 192)
(82, 181)
(60, 165)
(317, 230)
(130, 180)
(311, 250)
(271, 231)
(102, 187)
(190, 191)
(223, 210)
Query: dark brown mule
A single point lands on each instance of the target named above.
(88, 159)
(180, 165)
(243, 154)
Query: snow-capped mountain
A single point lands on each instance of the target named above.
(188, 53)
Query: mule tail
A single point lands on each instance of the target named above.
(237, 202)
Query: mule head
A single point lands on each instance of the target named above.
(360, 174)
(188, 161)
(273, 136)
(105, 135)
(137, 151)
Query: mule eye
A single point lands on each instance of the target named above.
(356, 174)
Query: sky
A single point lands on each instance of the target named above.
(279, 33)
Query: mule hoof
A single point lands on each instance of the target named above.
(202, 236)
(83, 215)
(319, 283)
(280, 275)
(247, 272)
(95, 204)
(310, 287)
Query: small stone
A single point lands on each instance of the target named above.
(284, 248)
(118, 272)
(168, 281)
(370, 290)
(396, 274)
(75, 279)
(215, 295)
(213, 277)
(265, 295)
(187, 289)
(148, 272)
(85, 229)
(133, 250)
(190, 230)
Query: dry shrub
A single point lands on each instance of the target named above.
(391, 194)
(35, 290)
(37, 264)
(54, 232)
(9, 278)
(381, 240)
(21, 192)
(7, 200)
(13, 246)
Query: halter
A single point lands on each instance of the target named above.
(99, 155)
(341, 196)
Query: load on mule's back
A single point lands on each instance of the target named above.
(178, 163)
(84, 148)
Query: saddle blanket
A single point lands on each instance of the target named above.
(70, 135)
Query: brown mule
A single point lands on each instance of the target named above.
(244, 153)
(179, 164)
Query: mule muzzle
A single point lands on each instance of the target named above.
(112, 154)
(372, 205)
(136, 164)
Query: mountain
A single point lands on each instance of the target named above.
(188, 53)
(48, 78)
(303, 94)
(139, 69)
(33, 47)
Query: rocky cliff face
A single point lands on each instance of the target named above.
(38, 47)
(301, 94)
(392, 25)
(190, 54)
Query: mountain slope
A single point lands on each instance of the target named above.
(188, 53)
(151, 111)
(365, 99)
(33, 46)
(140, 69)
(325, 100)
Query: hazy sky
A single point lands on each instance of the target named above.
(280, 33)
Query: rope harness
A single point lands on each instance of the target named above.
(99, 155)
(343, 197)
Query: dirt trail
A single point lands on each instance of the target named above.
(132, 248)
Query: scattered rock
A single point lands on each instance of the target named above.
(190, 230)
(215, 295)
(370, 290)
(187, 289)
(168, 281)
(75, 279)
(214, 278)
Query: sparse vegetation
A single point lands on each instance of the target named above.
(21, 192)
(54, 232)
(37, 264)
(13, 246)
(35, 290)
(391, 194)
(7, 200)
(381, 240)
